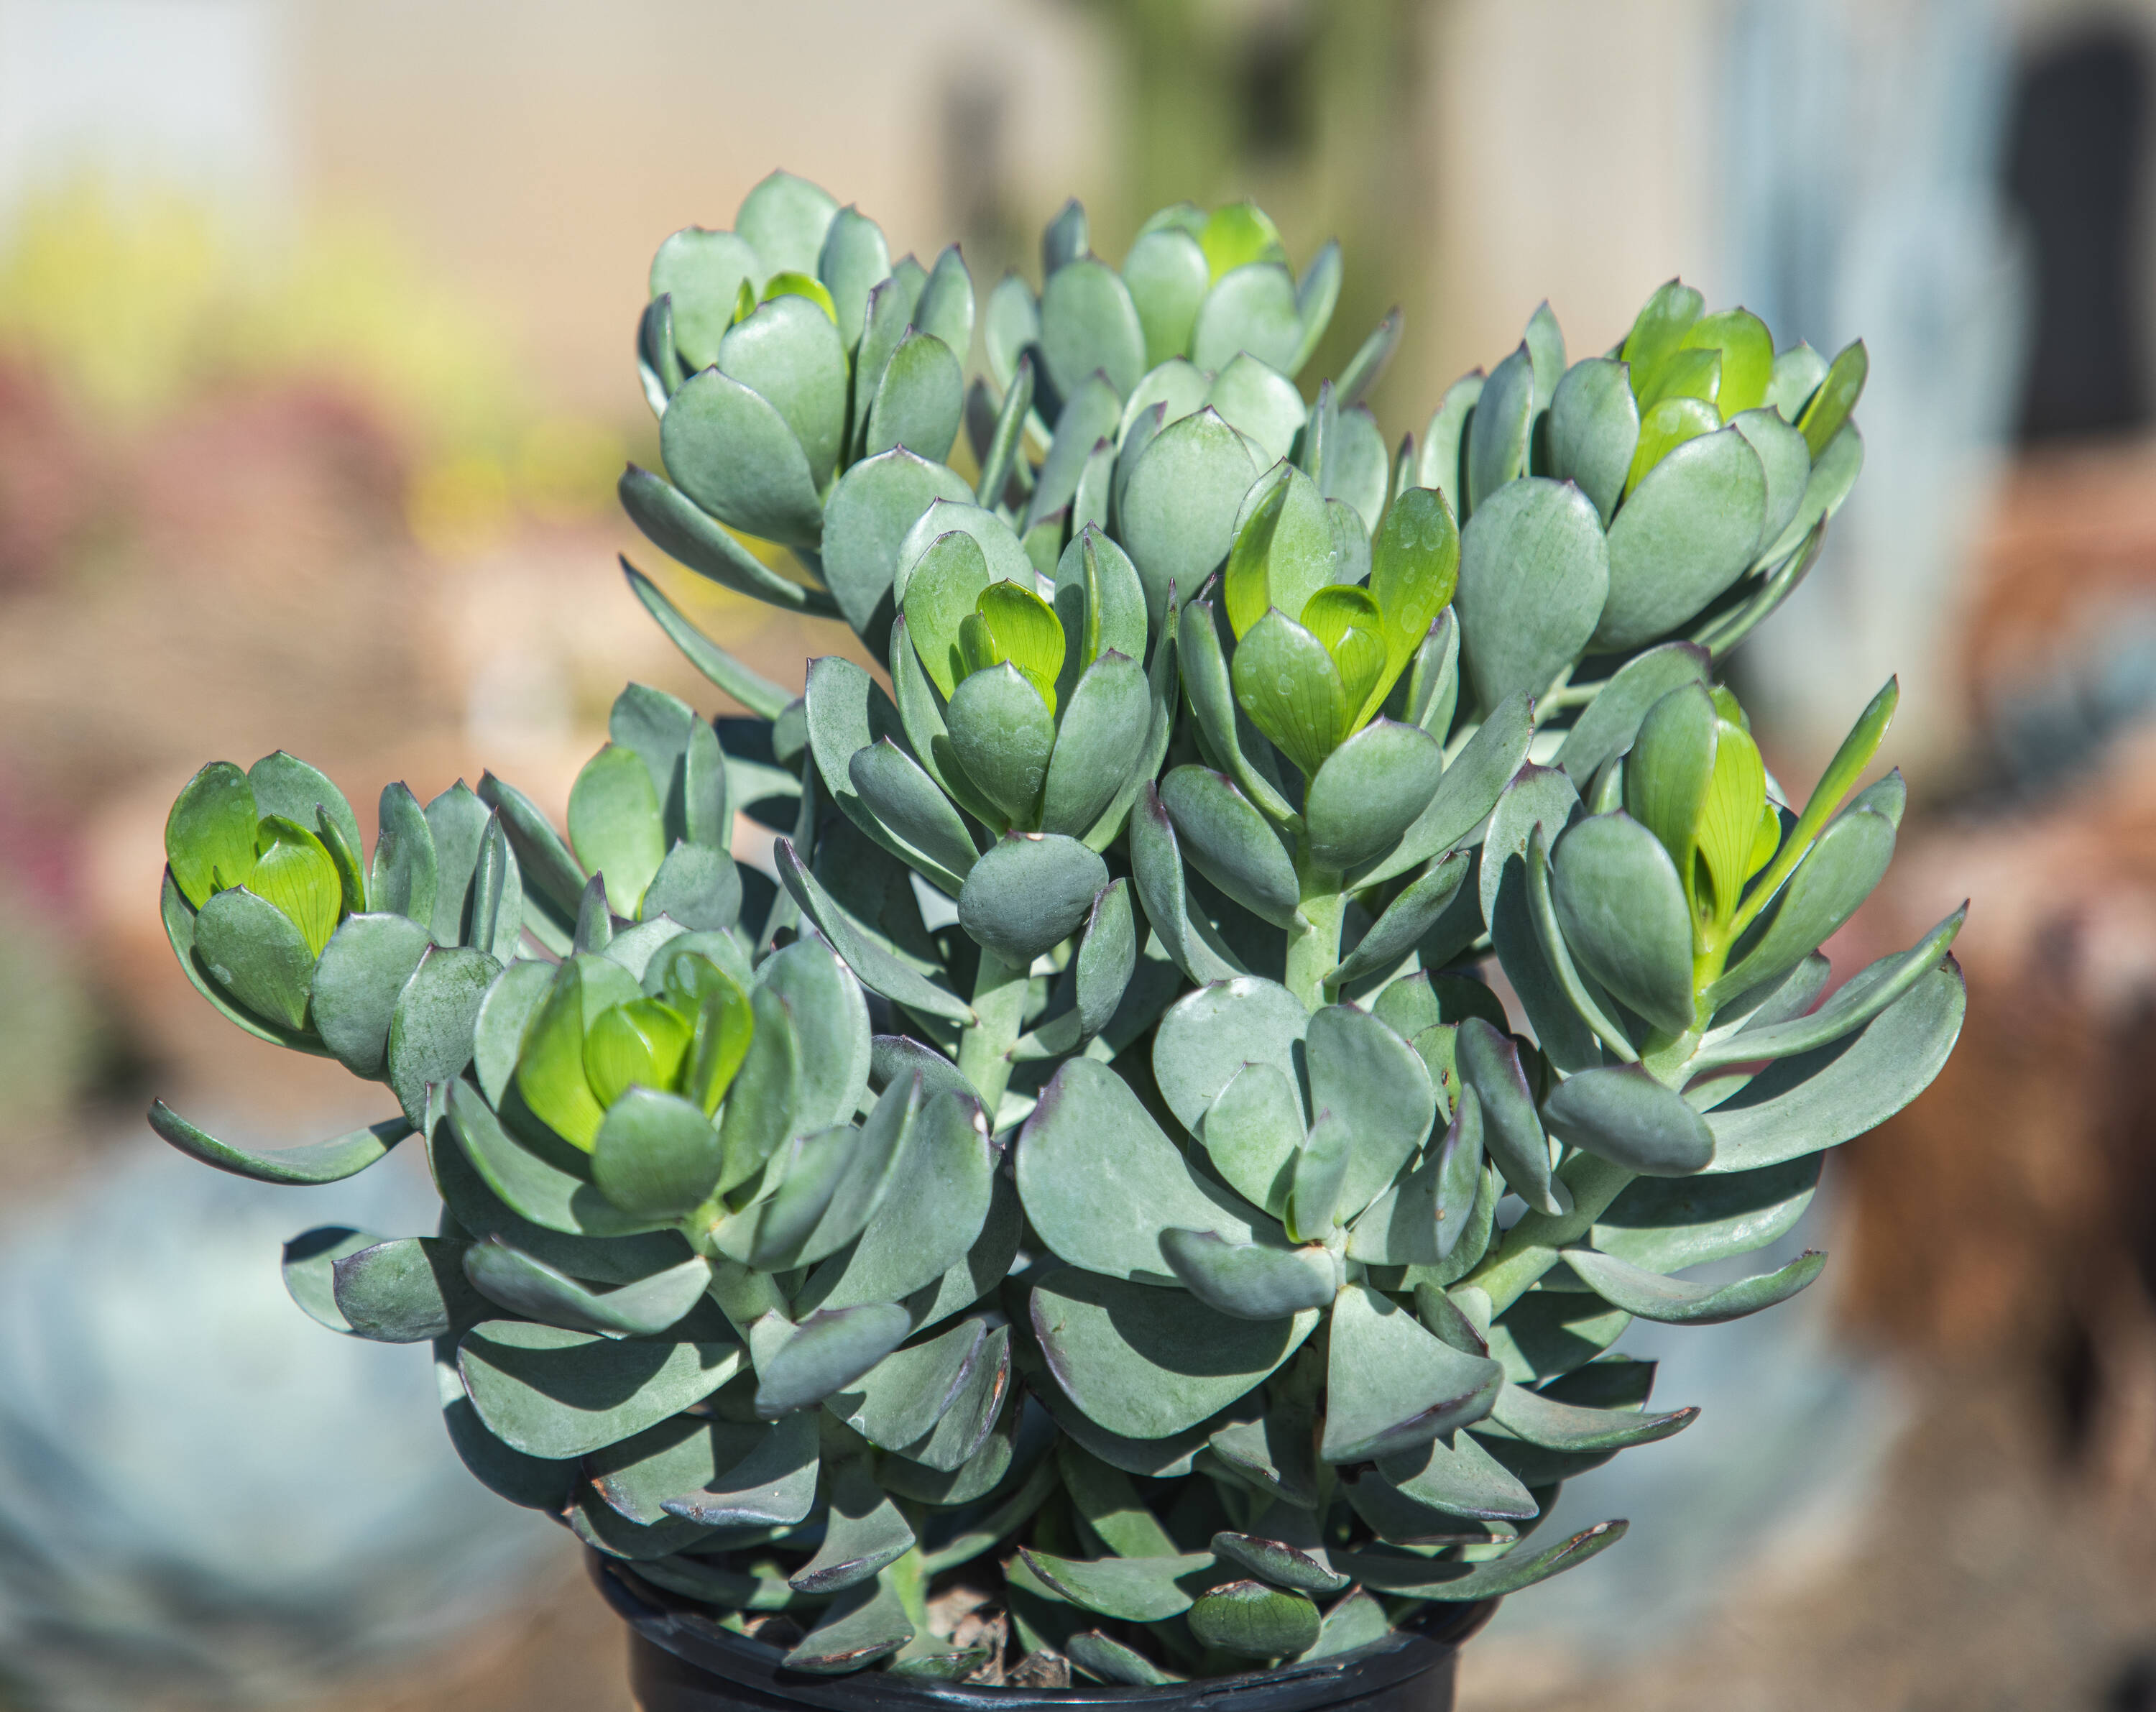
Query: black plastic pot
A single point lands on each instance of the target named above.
(680, 1661)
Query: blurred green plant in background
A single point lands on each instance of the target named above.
(1303, 109)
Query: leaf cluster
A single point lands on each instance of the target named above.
(1082, 1163)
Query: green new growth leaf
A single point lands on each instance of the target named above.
(209, 836)
(1836, 397)
(1288, 682)
(1834, 786)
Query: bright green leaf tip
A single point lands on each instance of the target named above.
(1238, 234)
(640, 1044)
(296, 872)
(691, 1039)
(210, 833)
(1011, 625)
(1368, 632)
(792, 285)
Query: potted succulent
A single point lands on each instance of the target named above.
(1097, 1218)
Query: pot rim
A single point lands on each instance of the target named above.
(684, 1630)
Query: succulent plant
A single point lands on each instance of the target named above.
(1079, 1176)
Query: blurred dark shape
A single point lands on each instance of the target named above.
(1275, 100)
(1301, 106)
(975, 169)
(2047, 734)
(2134, 1688)
(2060, 649)
(1175, 70)
(2073, 169)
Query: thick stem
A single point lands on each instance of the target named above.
(984, 1047)
(1313, 941)
(1529, 1247)
(1571, 695)
(1552, 698)
(743, 1294)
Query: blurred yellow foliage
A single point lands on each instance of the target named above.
(115, 306)
(136, 303)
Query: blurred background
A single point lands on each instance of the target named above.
(316, 374)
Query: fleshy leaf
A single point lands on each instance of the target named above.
(616, 824)
(1102, 728)
(363, 970)
(1208, 1037)
(1837, 1091)
(1228, 842)
(1461, 1583)
(1136, 1589)
(1622, 907)
(1534, 575)
(530, 1287)
(1621, 1113)
(825, 1353)
(1029, 892)
(655, 1155)
(1677, 1302)
(1251, 1280)
(864, 1532)
(1512, 1132)
(1101, 1182)
(1370, 791)
(1146, 1363)
(927, 1223)
(330, 1161)
(1538, 1420)
(1002, 734)
(1256, 1621)
(1390, 1385)
(209, 836)
(1291, 687)
(1252, 1133)
(900, 1399)
(551, 1392)
(729, 449)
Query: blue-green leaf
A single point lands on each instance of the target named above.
(1648, 1295)
(1621, 1113)
(1828, 1096)
(729, 449)
(551, 1392)
(1101, 1182)
(1226, 840)
(1534, 574)
(1146, 1363)
(330, 1161)
(1685, 534)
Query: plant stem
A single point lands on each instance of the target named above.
(1313, 942)
(1571, 695)
(1529, 1247)
(1551, 699)
(984, 1047)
